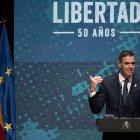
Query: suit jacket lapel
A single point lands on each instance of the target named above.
(133, 84)
(116, 84)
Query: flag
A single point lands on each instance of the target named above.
(7, 87)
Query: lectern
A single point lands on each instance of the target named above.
(118, 124)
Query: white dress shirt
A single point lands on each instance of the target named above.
(122, 79)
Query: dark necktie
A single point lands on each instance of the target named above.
(125, 91)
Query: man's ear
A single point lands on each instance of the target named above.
(119, 64)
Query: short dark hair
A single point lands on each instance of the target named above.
(124, 54)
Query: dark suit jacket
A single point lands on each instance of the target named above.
(110, 93)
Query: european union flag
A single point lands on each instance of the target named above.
(7, 87)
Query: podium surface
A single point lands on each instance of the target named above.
(118, 124)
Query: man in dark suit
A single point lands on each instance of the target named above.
(120, 92)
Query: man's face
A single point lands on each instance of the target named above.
(127, 66)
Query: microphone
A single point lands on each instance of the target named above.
(131, 105)
(120, 101)
(108, 116)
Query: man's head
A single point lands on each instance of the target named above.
(126, 63)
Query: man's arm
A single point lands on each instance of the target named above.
(96, 100)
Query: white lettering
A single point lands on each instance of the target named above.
(55, 13)
(87, 12)
(99, 12)
(76, 15)
(133, 18)
(122, 13)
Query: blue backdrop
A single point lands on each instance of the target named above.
(52, 71)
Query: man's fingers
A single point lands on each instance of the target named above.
(90, 76)
(98, 81)
(96, 77)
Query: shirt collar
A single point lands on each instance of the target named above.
(121, 78)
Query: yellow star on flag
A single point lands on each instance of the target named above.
(8, 126)
(1, 80)
(8, 71)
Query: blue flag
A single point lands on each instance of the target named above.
(7, 87)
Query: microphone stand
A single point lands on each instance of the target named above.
(120, 102)
(131, 105)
